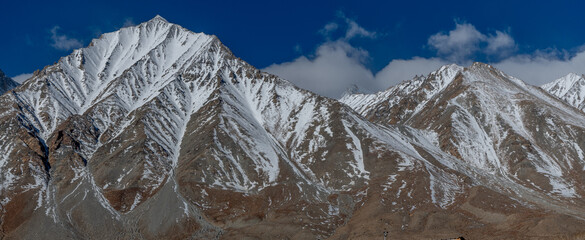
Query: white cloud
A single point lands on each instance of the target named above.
(500, 45)
(336, 66)
(459, 44)
(465, 41)
(22, 77)
(63, 42)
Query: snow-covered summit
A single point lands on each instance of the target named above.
(130, 65)
(477, 110)
(147, 89)
(158, 18)
(570, 88)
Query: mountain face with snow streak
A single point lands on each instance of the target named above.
(154, 117)
(491, 121)
(507, 134)
(154, 131)
(6, 83)
(570, 88)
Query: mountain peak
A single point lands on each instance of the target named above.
(158, 18)
(573, 77)
(565, 83)
(451, 66)
(157, 48)
(570, 88)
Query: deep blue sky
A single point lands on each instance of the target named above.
(264, 33)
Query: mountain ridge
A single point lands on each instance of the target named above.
(157, 124)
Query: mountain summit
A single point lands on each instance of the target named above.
(155, 115)
(570, 88)
(154, 131)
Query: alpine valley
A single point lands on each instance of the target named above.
(154, 131)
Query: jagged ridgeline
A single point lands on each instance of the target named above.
(154, 131)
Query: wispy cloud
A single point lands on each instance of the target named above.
(22, 77)
(351, 27)
(500, 45)
(129, 22)
(62, 41)
(355, 30)
(328, 29)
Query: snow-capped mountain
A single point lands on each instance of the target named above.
(156, 111)
(521, 138)
(156, 131)
(490, 120)
(6, 83)
(570, 88)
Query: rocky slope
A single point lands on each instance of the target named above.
(6, 83)
(155, 131)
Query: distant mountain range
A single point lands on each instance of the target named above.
(154, 131)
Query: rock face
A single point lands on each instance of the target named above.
(6, 83)
(154, 131)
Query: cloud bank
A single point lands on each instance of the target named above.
(337, 65)
(538, 69)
